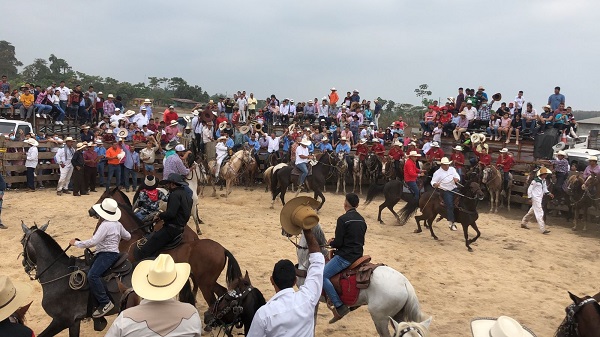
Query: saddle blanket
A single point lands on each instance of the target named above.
(350, 291)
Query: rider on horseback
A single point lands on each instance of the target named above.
(349, 241)
(106, 240)
(505, 162)
(396, 153)
(411, 173)
(222, 152)
(302, 157)
(445, 178)
(149, 198)
(377, 148)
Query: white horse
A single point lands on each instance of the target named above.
(196, 177)
(357, 174)
(410, 329)
(390, 294)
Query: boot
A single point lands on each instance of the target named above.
(339, 312)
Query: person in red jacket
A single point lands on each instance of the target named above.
(411, 173)
(396, 154)
(362, 150)
(378, 148)
(170, 115)
(435, 153)
(484, 159)
(505, 162)
(458, 159)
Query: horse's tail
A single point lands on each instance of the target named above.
(411, 312)
(407, 211)
(186, 294)
(233, 268)
(374, 190)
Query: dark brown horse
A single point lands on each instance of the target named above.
(430, 204)
(283, 178)
(393, 192)
(206, 257)
(582, 319)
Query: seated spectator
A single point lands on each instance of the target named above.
(504, 128)
(492, 129)
(462, 125)
(529, 119)
(545, 119)
(516, 125)
(428, 122)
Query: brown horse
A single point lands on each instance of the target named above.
(582, 319)
(581, 197)
(250, 169)
(230, 170)
(206, 257)
(493, 180)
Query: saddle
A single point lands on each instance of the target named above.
(137, 248)
(443, 204)
(297, 172)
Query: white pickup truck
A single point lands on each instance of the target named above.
(8, 126)
(578, 150)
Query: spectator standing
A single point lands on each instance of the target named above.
(536, 191)
(132, 164)
(148, 109)
(252, 102)
(78, 178)
(31, 162)
(555, 99)
(63, 158)
(333, 96)
(108, 106)
(90, 170)
(63, 95)
(170, 115)
(113, 156)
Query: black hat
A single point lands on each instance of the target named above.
(175, 179)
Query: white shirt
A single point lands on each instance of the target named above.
(64, 93)
(64, 155)
(519, 101)
(284, 109)
(197, 125)
(273, 144)
(445, 178)
(106, 238)
(32, 157)
(426, 147)
(140, 119)
(116, 118)
(207, 134)
(471, 113)
(301, 150)
(537, 189)
(241, 102)
(221, 151)
(292, 110)
(291, 313)
(323, 110)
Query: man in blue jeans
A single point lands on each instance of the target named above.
(445, 179)
(106, 240)
(348, 241)
(302, 157)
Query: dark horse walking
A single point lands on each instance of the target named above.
(393, 193)
(583, 318)
(430, 204)
(283, 178)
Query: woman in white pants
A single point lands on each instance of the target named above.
(536, 191)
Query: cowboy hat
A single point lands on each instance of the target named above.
(121, 155)
(110, 96)
(32, 142)
(362, 141)
(396, 143)
(221, 138)
(462, 113)
(179, 148)
(211, 102)
(291, 128)
(457, 148)
(108, 209)
(244, 129)
(13, 295)
(81, 146)
(222, 125)
(98, 142)
(91, 144)
(480, 88)
(594, 158)
(195, 112)
(122, 133)
(482, 137)
(414, 154)
(147, 100)
(543, 170)
(504, 150)
(214, 113)
(486, 146)
(69, 139)
(171, 145)
(333, 89)
(129, 113)
(159, 279)
(114, 124)
(345, 139)
(173, 123)
(503, 326)
(305, 142)
(117, 109)
(561, 153)
(175, 179)
(100, 93)
(107, 131)
(374, 140)
(435, 144)
(298, 214)
(325, 139)
(445, 161)
(171, 107)
(474, 138)
(85, 127)
(188, 127)
(188, 119)
(150, 182)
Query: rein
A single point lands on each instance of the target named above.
(33, 266)
(235, 306)
(573, 309)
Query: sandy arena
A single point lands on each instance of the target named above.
(512, 271)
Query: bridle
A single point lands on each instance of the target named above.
(573, 309)
(409, 329)
(32, 266)
(235, 299)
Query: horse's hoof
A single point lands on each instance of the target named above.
(435, 238)
(574, 229)
(470, 249)
(417, 231)
(223, 195)
(272, 207)
(496, 211)
(381, 222)
(200, 221)
(198, 232)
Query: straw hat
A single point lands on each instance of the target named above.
(594, 158)
(298, 214)
(445, 161)
(122, 133)
(195, 112)
(333, 89)
(107, 131)
(110, 96)
(345, 139)
(114, 124)
(129, 113)
(69, 139)
(221, 138)
(543, 170)
(482, 138)
(32, 142)
(362, 141)
(504, 150)
(171, 145)
(396, 143)
(121, 155)
(211, 102)
(435, 144)
(108, 209)
(325, 139)
(462, 113)
(147, 101)
(414, 154)
(244, 129)
(188, 119)
(13, 295)
(305, 142)
(173, 123)
(81, 146)
(179, 148)
(561, 153)
(91, 144)
(150, 182)
(457, 148)
(291, 128)
(375, 140)
(222, 125)
(503, 326)
(160, 279)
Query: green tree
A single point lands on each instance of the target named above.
(8, 60)
(60, 67)
(423, 93)
(37, 72)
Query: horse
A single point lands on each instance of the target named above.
(250, 170)
(388, 169)
(466, 213)
(283, 178)
(342, 168)
(493, 180)
(269, 173)
(230, 170)
(582, 318)
(206, 257)
(580, 199)
(372, 167)
(393, 192)
(195, 179)
(390, 293)
(410, 329)
(357, 173)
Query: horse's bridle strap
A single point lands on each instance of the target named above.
(409, 329)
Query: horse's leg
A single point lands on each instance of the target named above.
(282, 194)
(339, 182)
(430, 222)
(575, 217)
(391, 208)
(53, 329)
(320, 194)
(585, 217)
(418, 219)
(497, 201)
(381, 325)
(197, 218)
(474, 225)
(508, 192)
(466, 232)
(491, 200)
(381, 207)
(74, 329)
(343, 182)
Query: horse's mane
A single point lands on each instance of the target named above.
(124, 196)
(51, 244)
(422, 330)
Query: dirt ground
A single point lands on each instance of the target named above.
(514, 272)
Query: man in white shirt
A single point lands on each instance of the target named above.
(519, 101)
(292, 112)
(63, 95)
(291, 313)
(445, 179)
(63, 158)
(243, 104)
(273, 143)
(221, 152)
(284, 111)
(140, 118)
(147, 108)
(116, 117)
(302, 157)
(470, 111)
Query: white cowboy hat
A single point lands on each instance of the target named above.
(110, 96)
(160, 279)
(98, 142)
(325, 139)
(211, 102)
(91, 144)
(109, 131)
(374, 140)
(333, 89)
(171, 107)
(504, 150)
(69, 139)
(195, 112)
(81, 146)
(32, 142)
(121, 155)
(147, 100)
(594, 158)
(482, 138)
(173, 123)
(221, 138)
(100, 93)
(222, 125)
(150, 181)
(412, 143)
(474, 138)
(345, 139)
(480, 87)
(362, 141)
(291, 128)
(298, 214)
(114, 124)
(117, 109)
(458, 148)
(108, 209)
(13, 295)
(543, 170)
(561, 153)
(445, 161)
(503, 326)
(486, 146)
(179, 148)
(396, 143)
(414, 154)
(462, 113)
(244, 129)
(435, 144)
(214, 113)
(122, 133)
(188, 119)
(129, 113)
(188, 127)
(306, 142)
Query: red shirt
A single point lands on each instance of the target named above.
(458, 158)
(379, 149)
(484, 158)
(445, 118)
(152, 127)
(362, 150)
(235, 118)
(435, 153)
(411, 172)
(169, 116)
(396, 153)
(221, 120)
(506, 162)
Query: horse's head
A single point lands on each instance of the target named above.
(574, 182)
(591, 180)
(114, 193)
(474, 190)
(341, 156)
(410, 329)
(582, 317)
(29, 256)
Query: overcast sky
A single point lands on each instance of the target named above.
(299, 49)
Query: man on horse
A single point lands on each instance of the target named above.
(435, 153)
(361, 149)
(148, 202)
(483, 158)
(179, 209)
(396, 154)
(302, 157)
(536, 191)
(411, 173)
(174, 164)
(106, 240)
(348, 241)
(343, 146)
(222, 152)
(458, 158)
(378, 148)
(505, 162)
(445, 179)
